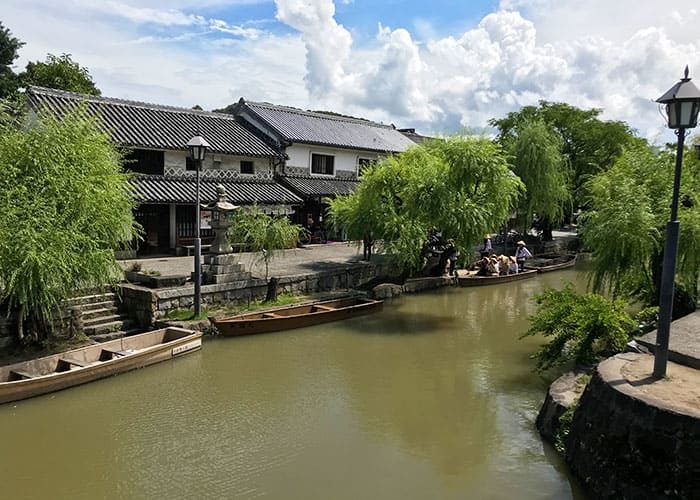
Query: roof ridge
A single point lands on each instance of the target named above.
(204, 180)
(35, 89)
(316, 114)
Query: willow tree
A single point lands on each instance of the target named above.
(66, 207)
(265, 235)
(460, 185)
(537, 159)
(629, 208)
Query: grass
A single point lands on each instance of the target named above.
(188, 314)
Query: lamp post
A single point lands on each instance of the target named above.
(198, 150)
(682, 103)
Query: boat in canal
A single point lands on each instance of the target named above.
(295, 316)
(95, 361)
(470, 278)
(545, 263)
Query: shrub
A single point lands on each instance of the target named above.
(582, 327)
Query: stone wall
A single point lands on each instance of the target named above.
(147, 305)
(623, 446)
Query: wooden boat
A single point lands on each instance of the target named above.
(545, 263)
(296, 316)
(59, 371)
(469, 278)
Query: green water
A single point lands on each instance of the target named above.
(433, 398)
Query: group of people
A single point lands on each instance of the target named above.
(501, 265)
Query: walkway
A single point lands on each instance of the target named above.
(311, 258)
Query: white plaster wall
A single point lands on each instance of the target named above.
(178, 159)
(345, 159)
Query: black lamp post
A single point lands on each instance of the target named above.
(682, 103)
(198, 150)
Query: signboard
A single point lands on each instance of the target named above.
(205, 219)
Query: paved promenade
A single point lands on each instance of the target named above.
(309, 259)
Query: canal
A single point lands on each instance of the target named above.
(432, 398)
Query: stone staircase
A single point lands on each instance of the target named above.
(223, 268)
(102, 317)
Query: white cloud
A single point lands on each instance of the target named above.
(616, 56)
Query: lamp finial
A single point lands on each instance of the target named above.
(686, 73)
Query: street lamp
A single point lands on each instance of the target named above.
(198, 150)
(682, 103)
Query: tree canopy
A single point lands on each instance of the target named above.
(263, 233)
(9, 47)
(590, 144)
(536, 152)
(59, 72)
(625, 226)
(460, 185)
(66, 207)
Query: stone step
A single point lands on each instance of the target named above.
(109, 327)
(222, 269)
(106, 304)
(105, 337)
(222, 260)
(107, 318)
(215, 279)
(91, 299)
(90, 314)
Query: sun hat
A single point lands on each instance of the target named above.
(521, 242)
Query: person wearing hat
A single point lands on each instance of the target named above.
(521, 253)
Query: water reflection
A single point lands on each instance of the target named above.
(432, 398)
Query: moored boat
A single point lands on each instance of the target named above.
(470, 278)
(295, 316)
(545, 263)
(95, 361)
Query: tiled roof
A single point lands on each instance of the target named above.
(141, 124)
(306, 186)
(160, 189)
(296, 125)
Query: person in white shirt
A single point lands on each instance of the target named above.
(521, 253)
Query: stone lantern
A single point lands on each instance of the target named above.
(221, 219)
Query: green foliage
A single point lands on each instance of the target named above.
(9, 47)
(590, 144)
(564, 428)
(461, 185)
(264, 233)
(582, 327)
(625, 226)
(59, 72)
(538, 160)
(66, 206)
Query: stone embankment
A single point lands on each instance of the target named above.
(633, 436)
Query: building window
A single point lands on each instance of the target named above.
(247, 167)
(322, 164)
(363, 164)
(190, 163)
(145, 161)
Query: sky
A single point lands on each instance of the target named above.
(440, 66)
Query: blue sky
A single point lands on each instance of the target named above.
(439, 66)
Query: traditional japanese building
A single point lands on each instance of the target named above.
(324, 153)
(164, 185)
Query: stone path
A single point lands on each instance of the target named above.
(309, 259)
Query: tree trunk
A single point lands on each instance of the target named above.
(272, 290)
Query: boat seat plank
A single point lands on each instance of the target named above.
(115, 352)
(324, 308)
(74, 362)
(19, 374)
(271, 315)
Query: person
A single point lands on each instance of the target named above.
(487, 249)
(367, 247)
(483, 267)
(512, 265)
(521, 253)
(503, 266)
(451, 253)
(493, 265)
